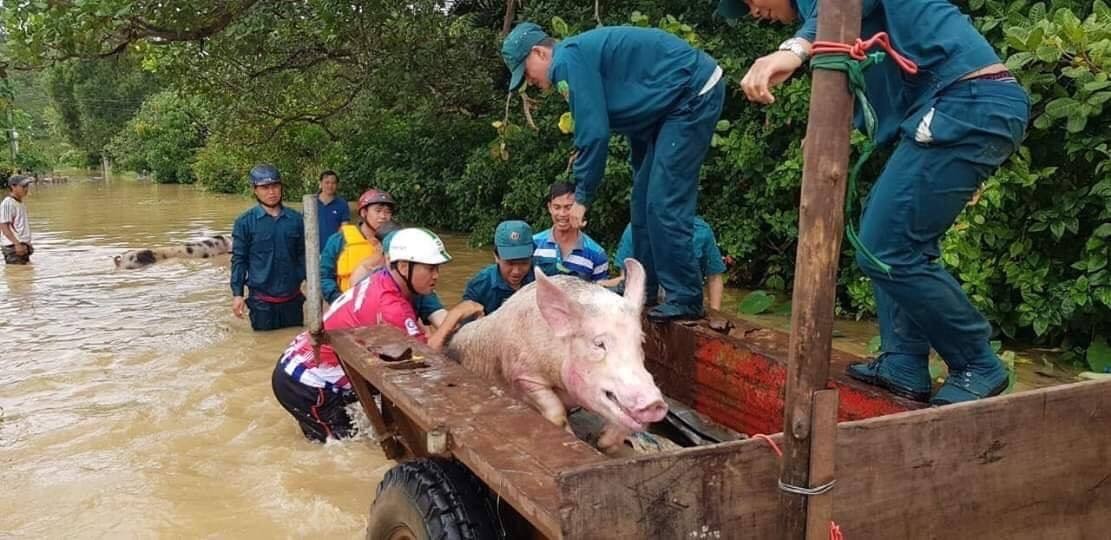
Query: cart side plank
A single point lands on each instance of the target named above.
(1030, 465)
(503, 441)
(738, 379)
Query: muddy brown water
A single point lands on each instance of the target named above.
(135, 405)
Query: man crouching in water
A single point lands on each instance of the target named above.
(316, 390)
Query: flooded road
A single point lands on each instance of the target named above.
(135, 405)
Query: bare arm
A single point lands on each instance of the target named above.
(443, 331)
(715, 286)
(20, 247)
(9, 233)
(613, 281)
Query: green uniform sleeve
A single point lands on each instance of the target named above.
(298, 252)
(711, 263)
(329, 286)
(473, 292)
(427, 304)
(582, 87)
(240, 246)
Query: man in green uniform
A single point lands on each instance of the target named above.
(666, 97)
(952, 123)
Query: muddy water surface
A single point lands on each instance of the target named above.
(135, 404)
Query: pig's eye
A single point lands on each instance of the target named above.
(600, 344)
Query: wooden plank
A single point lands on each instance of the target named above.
(1032, 465)
(823, 449)
(503, 441)
(723, 491)
(737, 379)
(821, 221)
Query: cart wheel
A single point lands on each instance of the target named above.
(431, 499)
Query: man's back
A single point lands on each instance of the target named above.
(644, 72)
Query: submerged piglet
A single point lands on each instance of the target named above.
(561, 342)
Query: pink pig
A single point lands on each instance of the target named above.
(562, 342)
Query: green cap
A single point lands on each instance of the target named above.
(513, 240)
(386, 240)
(732, 9)
(516, 48)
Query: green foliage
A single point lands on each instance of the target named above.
(1099, 355)
(402, 96)
(163, 137)
(1032, 250)
(96, 99)
(756, 302)
(219, 168)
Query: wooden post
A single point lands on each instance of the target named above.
(313, 302)
(823, 448)
(821, 222)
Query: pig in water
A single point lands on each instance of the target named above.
(561, 342)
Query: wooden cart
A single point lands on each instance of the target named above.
(1035, 464)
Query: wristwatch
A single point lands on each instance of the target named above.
(796, 45)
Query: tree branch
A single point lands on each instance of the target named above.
(150, 30)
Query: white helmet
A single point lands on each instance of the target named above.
(417, 245)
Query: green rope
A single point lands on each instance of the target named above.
(854, 70)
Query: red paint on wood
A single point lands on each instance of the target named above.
(743, 389)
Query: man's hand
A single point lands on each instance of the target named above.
(238, 306)
(469, 308)
(21, 249)
(578, 216)
(766, 73)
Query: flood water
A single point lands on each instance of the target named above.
(135, 405)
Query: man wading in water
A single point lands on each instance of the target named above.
(316, 390)
(15, 232)
(268, 257)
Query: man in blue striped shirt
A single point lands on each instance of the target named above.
(564, 249)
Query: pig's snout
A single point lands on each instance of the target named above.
(643, 409)
(652, 412)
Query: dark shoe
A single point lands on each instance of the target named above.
(976, 381)
(673, 312)
(904, 375)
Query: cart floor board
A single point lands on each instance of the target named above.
(502, 440)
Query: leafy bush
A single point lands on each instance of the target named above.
(163, 137)
(1032, 251)
(219, 169)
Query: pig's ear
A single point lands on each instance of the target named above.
(559, 311)
(634, 282)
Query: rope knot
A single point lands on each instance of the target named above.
(859, 50)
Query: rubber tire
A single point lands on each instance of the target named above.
(436, 499)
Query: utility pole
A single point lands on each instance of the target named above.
(809, 420)
(13, 135)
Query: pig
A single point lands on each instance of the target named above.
(208, 247)
(561, 342)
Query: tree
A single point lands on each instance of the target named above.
(163, 137)
(96, 98)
